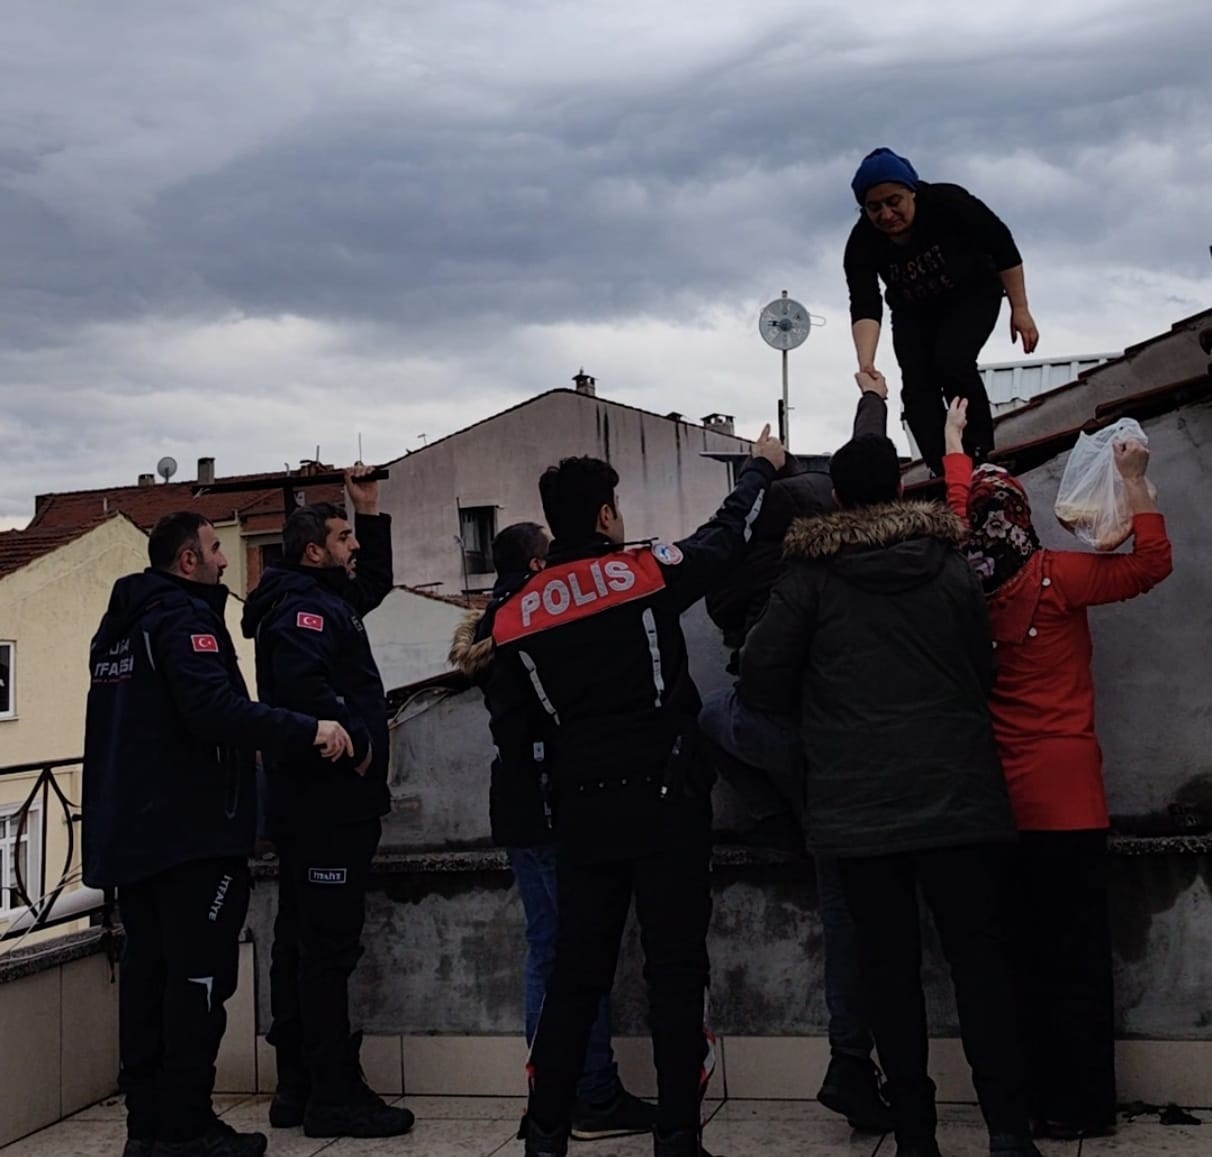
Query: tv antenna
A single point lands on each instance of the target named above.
(785, 325)
(166, 467)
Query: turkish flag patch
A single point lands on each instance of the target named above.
(206, 643)
(309, 622)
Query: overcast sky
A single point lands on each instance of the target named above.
(245, 227)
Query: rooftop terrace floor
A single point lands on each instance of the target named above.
(484, 1126)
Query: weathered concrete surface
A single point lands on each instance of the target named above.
(444, 953)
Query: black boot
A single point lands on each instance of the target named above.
(918, 1149)
(684, 1143)
(343, 1105)
(540, 1143)
(220, 1140)
(1012, 1145)
(294, 1087)
(621, 1116)
(852, 1088)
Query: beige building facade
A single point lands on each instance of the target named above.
(49, 610)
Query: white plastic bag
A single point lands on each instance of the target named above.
(1091, 501)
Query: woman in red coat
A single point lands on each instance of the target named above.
(1043, 715)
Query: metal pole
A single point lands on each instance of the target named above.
(786, 407)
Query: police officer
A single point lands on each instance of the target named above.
(595, 640)
(313, 655)
(169, 819)
(521, 823)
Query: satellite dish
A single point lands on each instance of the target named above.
(785, 323)
(166, 468)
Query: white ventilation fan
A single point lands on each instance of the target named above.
(785, 324)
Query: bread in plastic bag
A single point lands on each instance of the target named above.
(1091, 502)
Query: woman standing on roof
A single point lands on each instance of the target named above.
(946, 261)
(1043, 717)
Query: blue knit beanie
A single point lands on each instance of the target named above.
(880, 166)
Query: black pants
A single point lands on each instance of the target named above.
(323, 876)
(673, 905)
(1066, 996)
(180, 963)
(937, 349)
(964, 888)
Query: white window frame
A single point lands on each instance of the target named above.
(32, 841)
(11, 713)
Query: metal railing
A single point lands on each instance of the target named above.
(57, 903)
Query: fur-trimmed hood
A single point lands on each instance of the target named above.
(871, 526)
(469, 652)
(888, 548)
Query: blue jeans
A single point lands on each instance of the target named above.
(534, 869)
(762, 758)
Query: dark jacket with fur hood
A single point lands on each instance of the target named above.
(516, 808)
(877, 639)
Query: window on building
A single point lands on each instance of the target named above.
(271, 553)
(477, 529)
(24, 849)
(8, 671)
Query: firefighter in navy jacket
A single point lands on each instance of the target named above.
(169, 815)
(312, 652)
(595, 640)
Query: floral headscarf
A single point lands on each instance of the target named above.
(1000, 536)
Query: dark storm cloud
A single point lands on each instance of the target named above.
(412, 183)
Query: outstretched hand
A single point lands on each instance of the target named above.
(957, 421)
(769, 447)
(872, 382)
(363, 491)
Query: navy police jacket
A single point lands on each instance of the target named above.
(313, 655)
(170, 735)
(594, 642)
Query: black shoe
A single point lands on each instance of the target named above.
(919, 1149)
(1012, 1145)
(621, 1117)
(342, 1104)
(287, 1108)
(220, 1140)
(138, 1147)
(852, 1088)
(686, 1143)
(540, 1143)
(1063, 1131)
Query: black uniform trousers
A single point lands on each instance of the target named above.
(323, 876)
(965, 890)
(672, 892)
(180, 963)
(937, 348)
(1062, 940)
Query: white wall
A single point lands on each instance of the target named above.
(666, 489)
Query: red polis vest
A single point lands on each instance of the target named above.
(574, 590)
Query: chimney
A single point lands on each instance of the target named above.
(720, 423)
(147, 479)
(585, 384)
(206, 471)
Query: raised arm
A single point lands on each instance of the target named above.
(707, 556)
(1088, 580)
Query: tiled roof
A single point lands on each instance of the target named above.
(19, 548)
(145, 505)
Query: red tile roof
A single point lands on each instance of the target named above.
(146, 505)
(19, 548)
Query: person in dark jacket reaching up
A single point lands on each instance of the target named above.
(878, 640)
(313, 653)
(946, 261)
(521, 817)
(169, 818)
